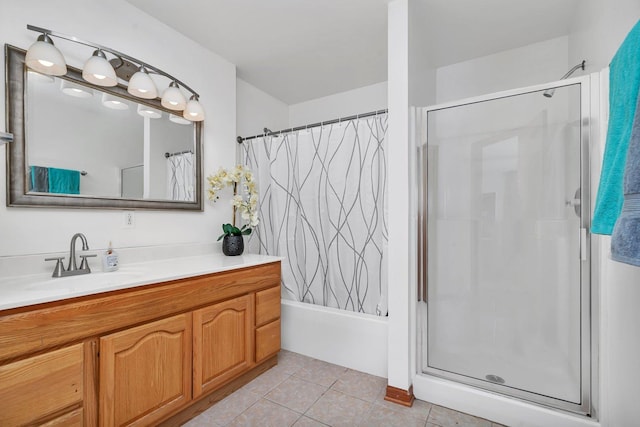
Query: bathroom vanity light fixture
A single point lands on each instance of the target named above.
(141, 85)
(99, 71)
(193, 111)
(45, 58)
(172, 97)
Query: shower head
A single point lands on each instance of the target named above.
(549, 92)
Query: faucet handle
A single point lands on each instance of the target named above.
(59, 268)
(84, 265)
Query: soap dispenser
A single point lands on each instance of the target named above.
(110, 260)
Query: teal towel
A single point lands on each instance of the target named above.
(39, 179)
(624, 82)
(64, 181)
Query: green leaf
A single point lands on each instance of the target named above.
(221, 236)
(246, 231)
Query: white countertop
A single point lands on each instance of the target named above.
(20, 291)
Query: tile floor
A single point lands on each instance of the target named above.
(305, 392)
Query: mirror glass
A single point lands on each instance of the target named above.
(90, 146)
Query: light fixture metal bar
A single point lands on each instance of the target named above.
(112, 51)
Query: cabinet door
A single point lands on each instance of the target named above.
(35, 389)
(145, 372)
(222, 343)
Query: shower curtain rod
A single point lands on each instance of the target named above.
(167, 155)
(268, 132)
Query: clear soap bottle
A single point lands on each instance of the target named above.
(110, 260)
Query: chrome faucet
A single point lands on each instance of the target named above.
(72, 269)
(72, 253)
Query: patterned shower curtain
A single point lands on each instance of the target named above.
(323, 208)
(180, 177)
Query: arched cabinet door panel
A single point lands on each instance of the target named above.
(222, 343)
(145, 372)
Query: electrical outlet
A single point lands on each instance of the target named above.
(129, 219)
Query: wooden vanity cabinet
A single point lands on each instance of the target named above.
(153, 355)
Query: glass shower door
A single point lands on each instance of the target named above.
(506, 245)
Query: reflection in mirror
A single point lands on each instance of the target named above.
(132, 180)
(74, 128)
(90, 146)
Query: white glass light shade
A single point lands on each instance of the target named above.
(45, 58)
(193, 111)
(99, 71)
(113, 102)
(179, 120)
(172, 98)
(142, 86)
(76, 90)
(146, 111)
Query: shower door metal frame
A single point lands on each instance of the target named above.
(588, 373)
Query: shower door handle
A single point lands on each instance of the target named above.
(576, 202)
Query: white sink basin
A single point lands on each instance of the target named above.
(83, 281)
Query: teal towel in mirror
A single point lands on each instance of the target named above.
(64, 181)
(624, 81)
(39, 179)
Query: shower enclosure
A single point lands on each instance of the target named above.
(504, 251)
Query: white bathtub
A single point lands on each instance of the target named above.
(354, 340)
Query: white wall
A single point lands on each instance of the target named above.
(257, 109)
(357, 101)
(525, 66)
(120, 26)
(599, 28)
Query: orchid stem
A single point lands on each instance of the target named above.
(235, 192)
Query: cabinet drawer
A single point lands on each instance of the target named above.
(37, 387)
(267, 305)
(267, 340)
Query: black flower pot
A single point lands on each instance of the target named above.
(232, 245)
